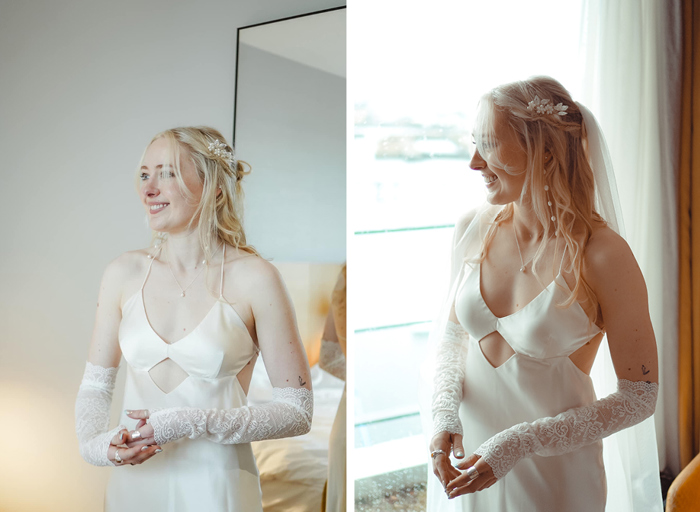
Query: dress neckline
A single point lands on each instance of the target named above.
(221, 299)
(526, 306)
(148, 322)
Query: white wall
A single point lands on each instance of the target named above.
(290, 126)
(84, 85)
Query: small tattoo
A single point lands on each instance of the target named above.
(301, 381)
(644, 370)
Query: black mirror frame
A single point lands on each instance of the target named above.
(238, 39)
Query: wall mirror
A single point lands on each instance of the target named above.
(290, 126)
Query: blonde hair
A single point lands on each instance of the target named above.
(557, 158)
(219, 216)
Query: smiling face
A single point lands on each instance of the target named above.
(501, 160)
(169, 210)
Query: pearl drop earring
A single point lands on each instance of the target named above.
(549, 203)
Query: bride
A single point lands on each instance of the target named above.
(539, 276)
(190, 316)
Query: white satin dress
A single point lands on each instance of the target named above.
(539, 380)
(189, 475)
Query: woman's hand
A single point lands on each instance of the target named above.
(442, 468)
(462, 484)
(135, 453)
(143, 434)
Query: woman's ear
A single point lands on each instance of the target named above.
(218, 191)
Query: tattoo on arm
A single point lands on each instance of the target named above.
(301, 381)
(644, 370)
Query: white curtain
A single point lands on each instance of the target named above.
(631, 82)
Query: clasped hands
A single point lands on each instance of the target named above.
(140, 444)
(455, 479)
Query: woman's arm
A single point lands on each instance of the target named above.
(97, 443)
(451, 352)
(290, 412)
(613, 274)
(331, 358)
(611, 270)
(448, 380)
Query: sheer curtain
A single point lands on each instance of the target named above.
(631, 81)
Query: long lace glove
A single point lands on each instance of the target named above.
(449, 378)
(332, 359)
(571, 430)
(92, 414)
(289, 414)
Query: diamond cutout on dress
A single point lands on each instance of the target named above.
(495, 349)
(167, 375)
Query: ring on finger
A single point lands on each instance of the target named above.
(135, 435)
(472, 473)
(435, 453)
(117, 458)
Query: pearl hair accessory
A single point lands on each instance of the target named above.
(546, 107)
(218, 148)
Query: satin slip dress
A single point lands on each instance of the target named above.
(189, 475)
(538, 380)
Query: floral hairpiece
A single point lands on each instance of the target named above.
(545, 107)
(218, 148)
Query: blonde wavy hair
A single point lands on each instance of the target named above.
(559, 182)
(219, 216)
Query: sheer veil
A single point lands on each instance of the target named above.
(630, 456)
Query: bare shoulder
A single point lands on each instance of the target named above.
(463, 223)
(129, 264)
(254, 273)
(608, 259)
(123, 272)
(606, 248)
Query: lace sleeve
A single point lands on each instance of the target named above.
(571, 430)
(289, 414)
(92, 414)
(332, 359)
(449, 378)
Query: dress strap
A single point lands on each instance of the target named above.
(223, 259)
(152, 256)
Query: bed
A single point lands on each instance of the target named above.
(293, 471)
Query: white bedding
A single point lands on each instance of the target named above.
(293, 471)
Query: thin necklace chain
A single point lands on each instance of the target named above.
(523, 265)
(195, 277)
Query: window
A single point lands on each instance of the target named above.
(416, 86)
